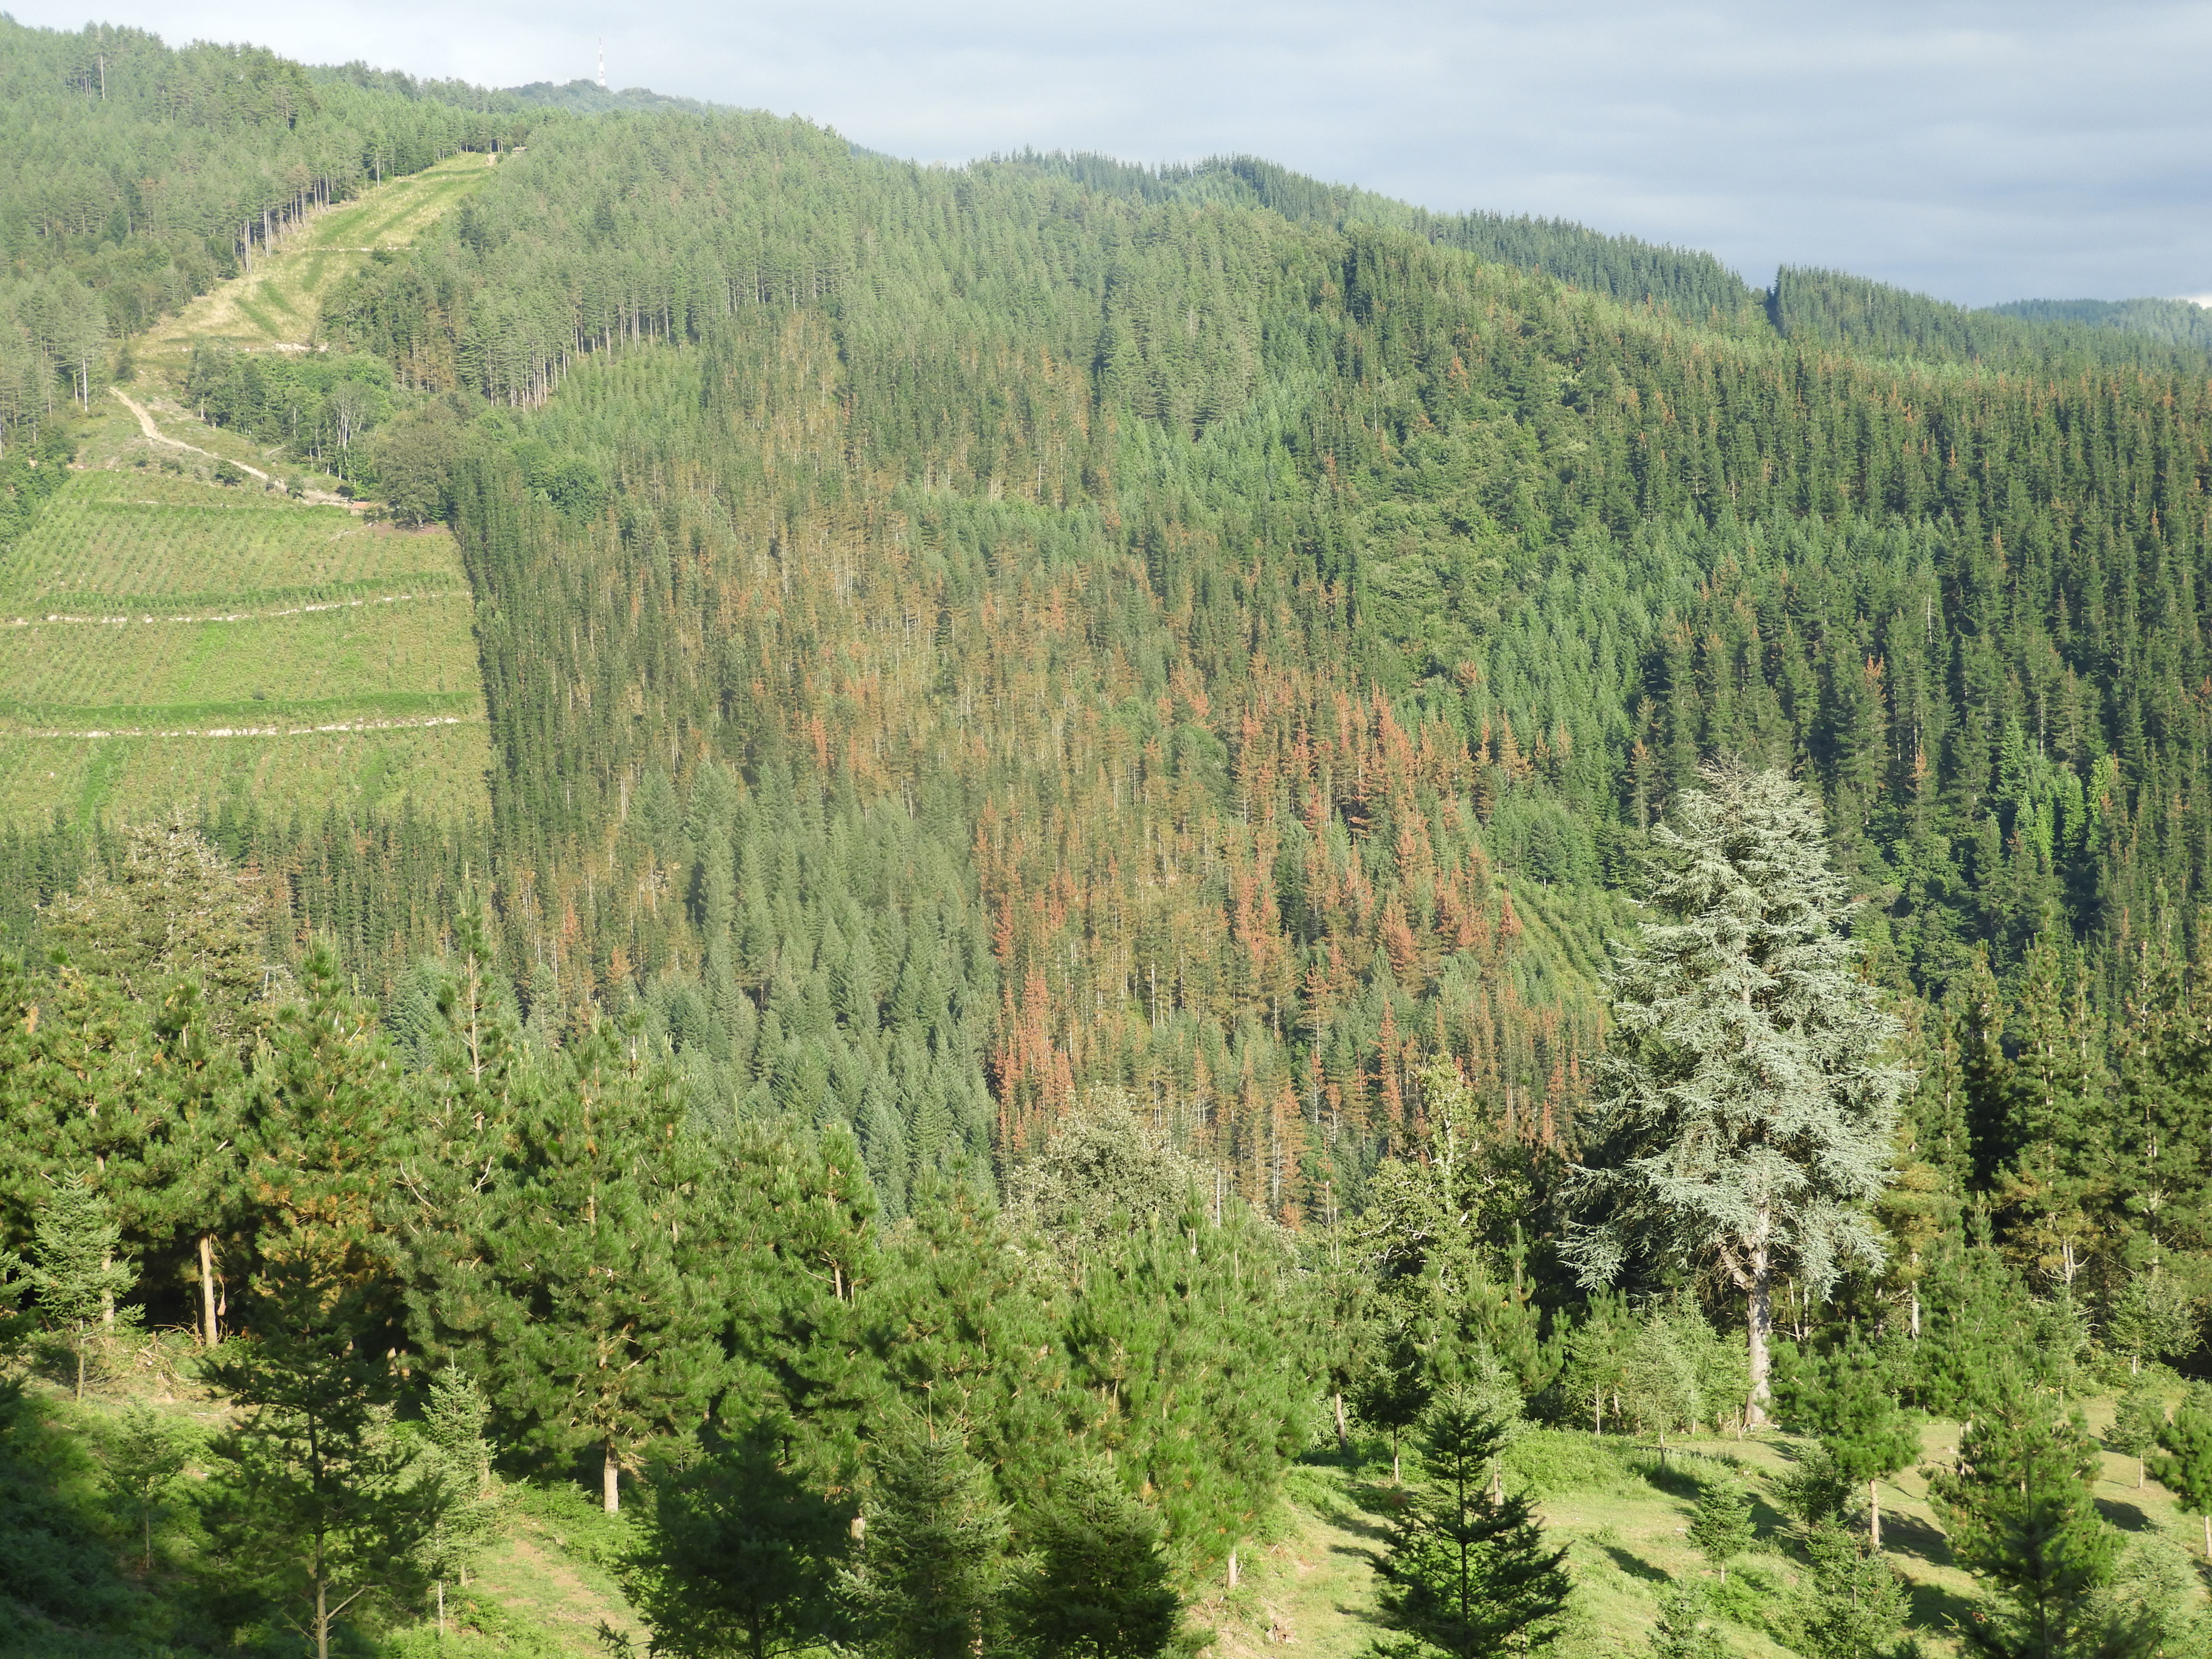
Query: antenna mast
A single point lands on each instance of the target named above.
(603, 61)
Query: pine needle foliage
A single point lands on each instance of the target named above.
(1720, 1528)
(75, 1269)
(1745, 1110)
(737, 1557)
(2018, 1513)
(1098, 1582)
(927, 1580)
(1466, 1572)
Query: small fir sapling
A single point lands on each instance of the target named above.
(2183, 1460)
(75, 1270)
(2138, 1420)
(1721, 1528)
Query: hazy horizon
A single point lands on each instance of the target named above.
(1977, 152)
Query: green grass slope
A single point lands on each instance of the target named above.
(1623, 1517)
(169, 639)
(277, 305)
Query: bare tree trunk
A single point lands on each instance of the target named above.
(1874, 1514)
(610, 1482)
(208, 1335)
(1759, 1322)
(1343, 1439)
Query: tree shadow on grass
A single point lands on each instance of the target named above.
(1635, 1566)
(1361, 1509)
(1938, 1609)
(2124, 1514)
(1769, 1525)
(1908, 1534)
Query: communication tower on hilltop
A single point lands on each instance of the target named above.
(603, 61)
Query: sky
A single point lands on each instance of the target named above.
(1980, 152)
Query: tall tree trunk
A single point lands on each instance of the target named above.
(1874, 1514)
(209, 1335)
(610, 1481)
(1759, 1323)
(1343, 1439)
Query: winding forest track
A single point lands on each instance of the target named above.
(155, 432)
(173, 631)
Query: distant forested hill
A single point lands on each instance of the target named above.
(133, 176)
(1271, 617)
(2176, 322)
(1281, 632)
(1015, 910)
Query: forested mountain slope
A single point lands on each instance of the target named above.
(1287, 632)
(1065, 755)
(1276, 634)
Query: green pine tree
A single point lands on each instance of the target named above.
(738, 1556)
(1660, 1391)
(1846, 1402)
(1853, 1604)
(1466, 1573)
(142, 1460)
(75, 1269)
(2138, 1420)
(1745, 1116)
(928, 1581)
(2153, 1318)
(2184, 1462)
(466, 1501)
(1721, 1528)
(1685, 1628)
(582, 1285)
(1099, 1584)
(2018, 1511)
(317, 1512)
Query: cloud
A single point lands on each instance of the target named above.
(1980, 151)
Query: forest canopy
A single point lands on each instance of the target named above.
(1146, 827)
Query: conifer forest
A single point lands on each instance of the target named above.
(757, 901)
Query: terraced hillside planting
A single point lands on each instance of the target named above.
(167, 638)
(163, 639)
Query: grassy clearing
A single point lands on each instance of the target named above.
(1623, 1517)
(542, 1591)
(277, 306)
